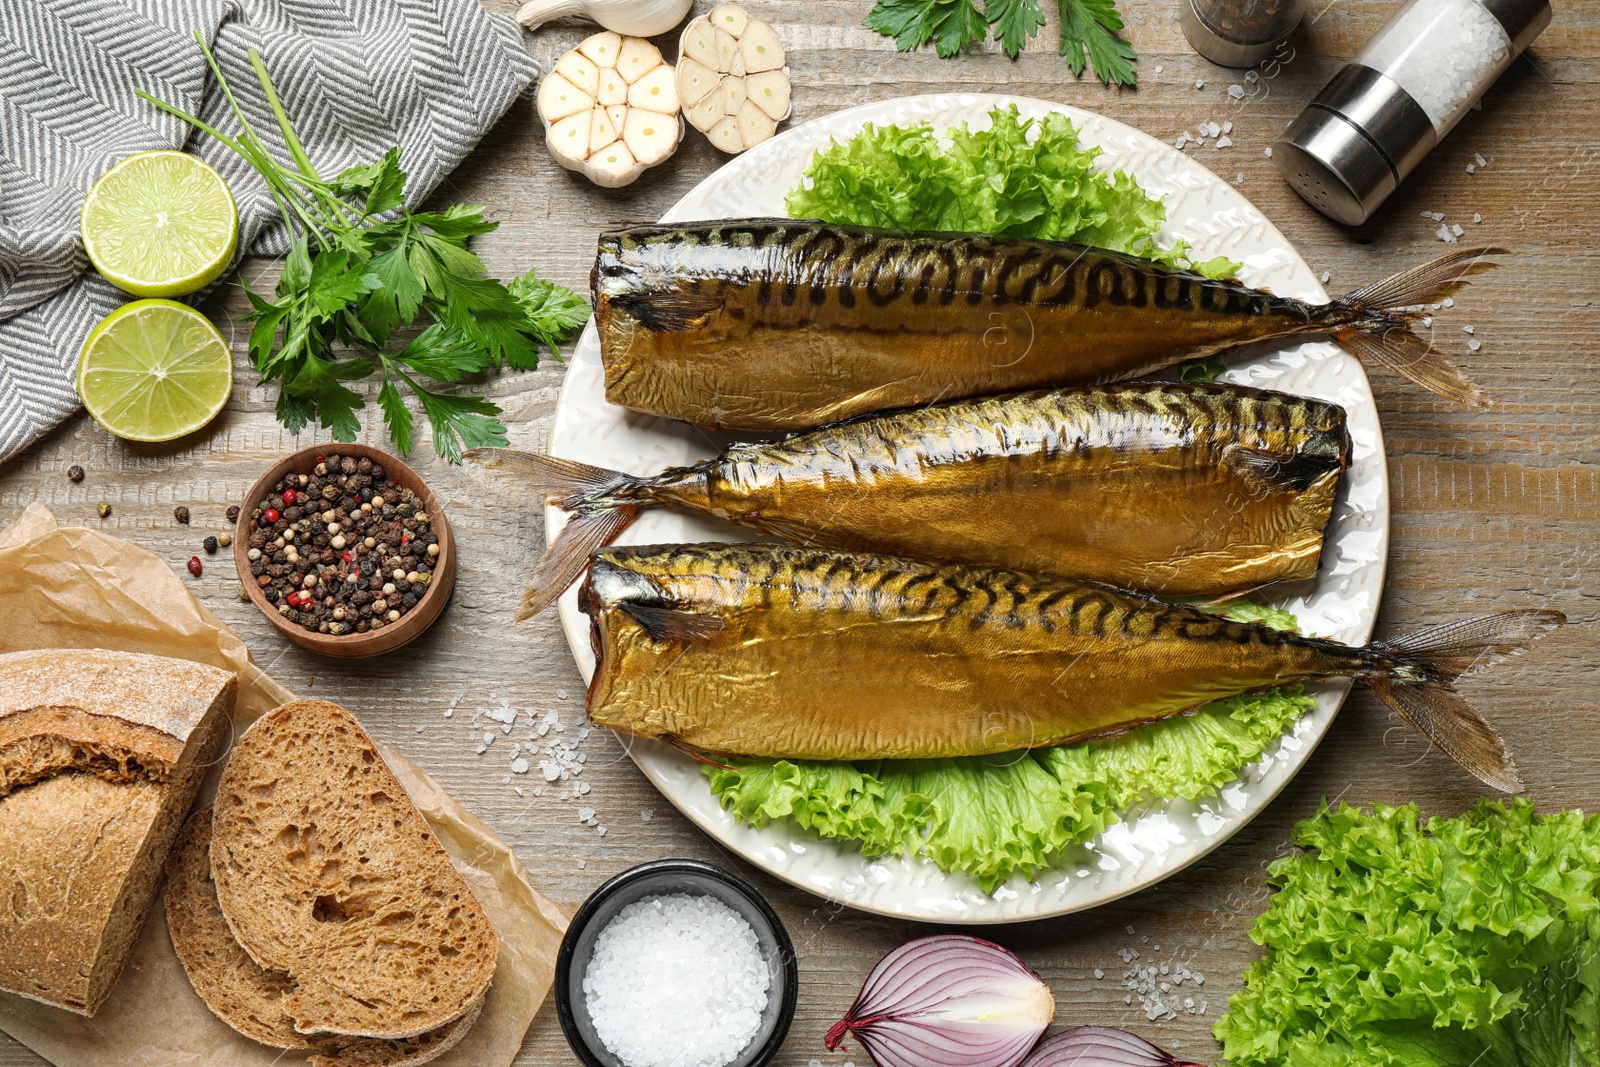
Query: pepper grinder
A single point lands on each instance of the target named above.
(1383, 112)
(1239, 33)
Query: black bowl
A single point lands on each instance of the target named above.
(658, 879)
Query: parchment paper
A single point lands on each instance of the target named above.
(71, 587)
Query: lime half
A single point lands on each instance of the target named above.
(154, 370)
(160, 224)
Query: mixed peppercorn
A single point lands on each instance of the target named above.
(343, 549)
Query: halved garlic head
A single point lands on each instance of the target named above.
(610, 109)
(731, 80)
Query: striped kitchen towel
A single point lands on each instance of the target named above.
(357, 77)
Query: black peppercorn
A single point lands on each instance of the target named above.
(210, 545)
(74, 473)
(181, 514)
(233, 513)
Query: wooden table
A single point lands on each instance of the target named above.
(1493, 509)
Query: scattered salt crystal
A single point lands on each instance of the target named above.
(519, 791)
(1267, 151)
(1224, 142)
(582, 790)
(1476, 217)
(1437, 216)
(1427, 321)
(642, 1009)
(646, 815)
(1466, 329)
(601, 830)
(449, 713)
(550, 769)
(1252, 77)
(1448, 302)
(1479, 160)
(1474, 345)
(538, 790)
(1130, 929)
(1160, 69)
(1471, 168)
(1455, 228)
(581, 865)
(561, 694)
(585, 814)
(1323, 277)
(505, 779)
(1445, 235)
(421, 728)
(482, 749)
(1179, 143)
(1099, 974)
(1236, 91)
(519, 766)
(1199, 85)
(1227, 127)
(488, 737)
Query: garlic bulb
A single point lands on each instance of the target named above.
(635, 18)
(610, 109)
(731, 79)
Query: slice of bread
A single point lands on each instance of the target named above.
(249, 997)
(326, 871)
(101, 754)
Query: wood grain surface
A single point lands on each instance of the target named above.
(1491, 510)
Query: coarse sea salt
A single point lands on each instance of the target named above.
(676, 981)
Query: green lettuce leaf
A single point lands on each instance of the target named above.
(1390, 942)
(1021, 177)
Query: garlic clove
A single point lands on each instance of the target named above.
(655, 91)
(559, 98)
(737, 67)
(727, 48)
(601, 131)
(707, 113)
(755, 125)
(699, 43)
(618, 114)
(636, 58)
(568, 139)
(613, 167)
(613, 90)
(726, 135)
(602, 48)
(760, 47)
(639, 18)
(695, 81)
(651, 136)
(732, 92)
(580, 72)
(729, 17)
(770, 92)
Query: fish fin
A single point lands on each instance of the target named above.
(668, 625)
(1428, 283)
(1453, 649)
(1378, 320)
(1411, 355)
(566, 483)
(569, 554)
(1275, 471)
(669, 310)
(1437, 711)
(1427, 699)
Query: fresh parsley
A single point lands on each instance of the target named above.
(952, 26)
(363, 268)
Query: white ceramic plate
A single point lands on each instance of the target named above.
(1342, 602)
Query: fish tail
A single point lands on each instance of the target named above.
(1417, 683)
(1376, 321)
(597, 499)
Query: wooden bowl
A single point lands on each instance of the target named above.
(374, 642)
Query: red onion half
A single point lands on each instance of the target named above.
(948, 1001)
(1101, 1046)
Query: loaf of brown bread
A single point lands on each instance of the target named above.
(327, 872)
(249, 997)
(101, 754)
